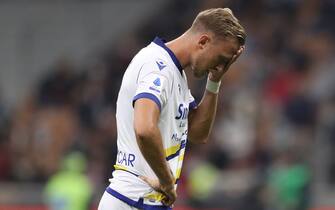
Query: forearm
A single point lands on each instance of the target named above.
(201, 119)
(151, 147)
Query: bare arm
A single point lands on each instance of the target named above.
(202, 118)
(149, 140)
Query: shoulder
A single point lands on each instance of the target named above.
(158, 65)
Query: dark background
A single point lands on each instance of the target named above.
(272, 146)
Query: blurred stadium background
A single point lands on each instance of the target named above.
(61, 61)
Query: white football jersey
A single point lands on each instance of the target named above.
(154, 73)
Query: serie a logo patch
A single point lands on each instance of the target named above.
(157, 82)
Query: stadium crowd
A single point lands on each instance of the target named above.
(276, 103)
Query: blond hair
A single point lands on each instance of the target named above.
(221, 22)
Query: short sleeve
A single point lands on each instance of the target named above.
(192, 103)
(152, 84)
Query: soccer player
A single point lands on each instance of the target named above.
(156, 113)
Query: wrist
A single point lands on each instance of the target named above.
(169, 181)
(213, 86)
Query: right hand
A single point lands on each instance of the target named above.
(168, 190)
(217, 73)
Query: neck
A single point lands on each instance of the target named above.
(182, 49)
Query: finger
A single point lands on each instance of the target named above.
(214, 71)
(170, 198)
(239, 52)
(144, 178)
(167, 202)
(151, 182)
(234, 58)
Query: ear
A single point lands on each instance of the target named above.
(203, 41)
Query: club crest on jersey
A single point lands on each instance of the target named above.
(160, 65)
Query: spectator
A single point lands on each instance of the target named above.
(69, 189)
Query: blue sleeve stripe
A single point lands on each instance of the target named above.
(148, 96)
(193, 105)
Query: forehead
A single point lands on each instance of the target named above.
(227, 46)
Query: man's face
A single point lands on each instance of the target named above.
(212, 53)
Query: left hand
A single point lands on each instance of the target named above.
(169, 192)
(216, 74)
